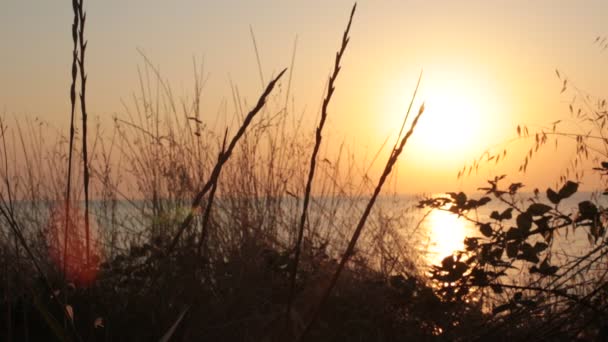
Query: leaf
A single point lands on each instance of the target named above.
(486, 229)
(496, 289)
(544, 269)
(528, 253)
(568, 189)
(553, 196)
(514, 187)
(538, 209)
(524, 221)
(512, 250)
(514, 234)
(460, 198)
(540, 246)
(447, 262)
(471, 243)
(483, 201)
(459, 269)
(587, 210)
(507, 214)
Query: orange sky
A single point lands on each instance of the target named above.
(488, 64)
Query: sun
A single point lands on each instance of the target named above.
(452, 122)
(464, 114)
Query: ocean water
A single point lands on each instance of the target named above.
(433, 234)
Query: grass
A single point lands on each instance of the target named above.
(175, 230)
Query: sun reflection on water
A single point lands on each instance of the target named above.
(446, 234)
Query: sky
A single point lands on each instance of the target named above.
(487, 67)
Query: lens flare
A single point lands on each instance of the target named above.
(67, 248)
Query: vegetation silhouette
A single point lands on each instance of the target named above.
(265, 236)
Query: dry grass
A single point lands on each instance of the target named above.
(198, 233)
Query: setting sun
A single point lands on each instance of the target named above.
(465, 112)
(454, 117)
(461, 107)
(266, 170)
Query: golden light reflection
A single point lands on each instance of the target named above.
(446, 234)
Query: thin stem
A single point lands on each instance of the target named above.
(220, 163)
(357, 233)
(68, 191)
(313, 159)
(83, 108)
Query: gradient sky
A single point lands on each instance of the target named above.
(497, 56)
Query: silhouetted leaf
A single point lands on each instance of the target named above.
(483, 201)
(496, 253)
(514, 187)
(540, 246)
(486, 229)
(459, 269)
(553, 196)
(587, 210)
(471, 243)
(505, 215)
(447, 262)
(479, 277)
(596, 232)
(528, 253)
(568, 189)
(538, 209)
(496, 289)
(524, 222)
(544, 269)
(459, 198)
(512, 249)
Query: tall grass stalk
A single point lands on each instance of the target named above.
(313, 159)
(220, 163)
(205, 223)
(396, 152)
(68, 190)
(83, 108)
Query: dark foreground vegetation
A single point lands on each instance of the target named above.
(164, 229)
